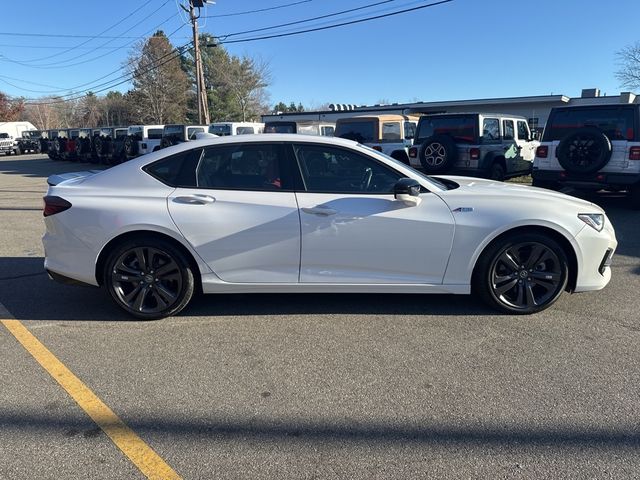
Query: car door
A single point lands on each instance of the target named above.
(353, 229)
(510, 146)
(526, 144)
(236, 206)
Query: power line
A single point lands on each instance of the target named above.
(69, 49)
(352, 22)
(65, 64)
(173, 55)
(258, 10)
(307, 20)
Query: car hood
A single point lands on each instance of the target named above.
(478, 188)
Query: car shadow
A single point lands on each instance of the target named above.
(43, 166)
(28, 293)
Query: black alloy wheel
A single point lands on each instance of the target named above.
(149, 279)
(522, 274)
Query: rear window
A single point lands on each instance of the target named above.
(461, 128)
(615, 122)
(361, 131)
(244, 131)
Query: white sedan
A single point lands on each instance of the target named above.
(294, 213)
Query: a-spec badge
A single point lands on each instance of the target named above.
(462, 210)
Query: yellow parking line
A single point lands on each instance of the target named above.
(141, 454)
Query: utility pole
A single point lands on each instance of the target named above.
(203, 105)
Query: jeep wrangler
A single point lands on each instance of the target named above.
(389, 134)
(178, 133)
(591, 147)
(489, 145)
(29, 141)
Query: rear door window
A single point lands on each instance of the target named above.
(508, 130)
(616, 123)
(391, 131)
(246, 167)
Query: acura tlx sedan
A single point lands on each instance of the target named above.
(294, 213)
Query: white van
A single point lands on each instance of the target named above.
(14, 130)
(222, 129)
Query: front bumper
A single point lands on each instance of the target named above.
(596, 250)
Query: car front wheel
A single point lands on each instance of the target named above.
(522, 273)
(149, 278)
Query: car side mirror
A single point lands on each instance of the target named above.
(407, 190)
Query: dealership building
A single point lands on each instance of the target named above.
(535, 108)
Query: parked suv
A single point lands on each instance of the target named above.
(142, 139)
(591, 147)
(6, 143)
(222, 129)
(488, 145)
(389, 134)
(29, 141)
(178, 133)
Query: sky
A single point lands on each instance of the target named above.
(463, 49)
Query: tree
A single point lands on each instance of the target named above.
(41, 113)
(629, 61)
(282, 107)
(161, 87)
(10, 110)
(89, 110)
(236, 86)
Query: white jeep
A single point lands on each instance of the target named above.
(142, 139)
(390, 134)
(222, 129)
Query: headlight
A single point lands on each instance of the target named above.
(594, 220)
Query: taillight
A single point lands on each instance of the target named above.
(474, 153)
(413, 152)
(634, 153)
(377, 147)
(542, 151)
(53, 205)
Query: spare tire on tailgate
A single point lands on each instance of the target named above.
(438, 153)
(586, 150)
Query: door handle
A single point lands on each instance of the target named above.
(320, 210)
(195, 199)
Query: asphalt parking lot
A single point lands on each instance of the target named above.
(317, 386)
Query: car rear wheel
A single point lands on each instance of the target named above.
(522, 273)
(497, 172)
(149, 278)
(634, 194)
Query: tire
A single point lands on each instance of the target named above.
(586, 150)
(437, 154)
(132, 278)
(130, 147)
(502, 282)
(496, 172)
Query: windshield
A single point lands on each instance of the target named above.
(4, 135)
(220, 130)
(432, 181)
(460, 127)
